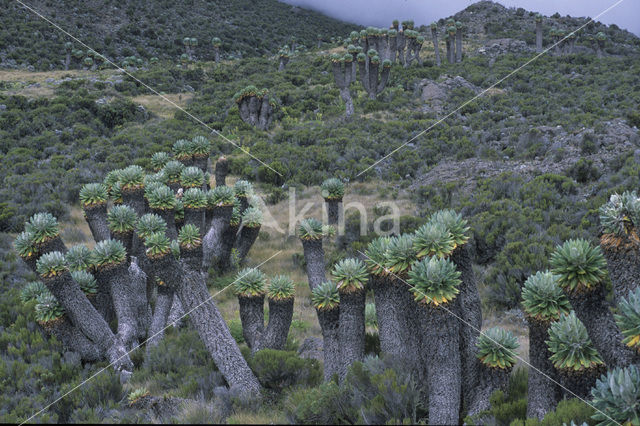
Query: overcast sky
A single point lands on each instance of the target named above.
(380, 12)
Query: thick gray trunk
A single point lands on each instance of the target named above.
(351, 329)
(67, 61)
(227, 243)
(539, 37)
(334, 211)
(212, 243)
(389, 311)
(580, 382)
(543, 394)
(436, 47)
(468, 301)
(266, 114)
(280, 316)
(252, 319)
(139, 299)
(593, 310)
(329, 322)
(97, 220)
(84, 316)
(135, 200)
(72, 339)
(491, 380)
(459, 46)
(201, 162)
(624, 271)
(169, 217)
(194, 217)
(222, 170)
(208, 322)
(216, 54)
(444, 380)
(176, 314)
(246, 238)
(160, 315)
(314, 257)
(345, 94)
(192, 257)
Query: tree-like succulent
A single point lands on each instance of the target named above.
(216, 42)
(332, 189)
(161, 198)
(51, 264)
(173, 170)
(182, 149)
(179, 214)
(236, 217)
(434, 281)
(86, 281)
(131, 178)
(454, 223)
(250, 282)
(137, 394)
(122, 219)
(150, 224)
(243, 188)
(433, 239)
(616, 397)
(325, 297)
(158, 245)
(78, 258)
(200, 146)
(401, 254)
(42, 227)
(220, 196)
(32, 290)
(159, 160)
(108, 253)
(350, 275)
(619, 219)
(497, 348)
(570, 345)
(252, 217)
(628, 319)
(93, 194)
(580, 266)
(310, 229)
(543, 299)
(194, 198)
(192, 177)
(48, 308)
(189, 237)
(375, 255)
(25, 246)
(280, 287)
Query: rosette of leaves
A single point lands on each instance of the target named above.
(175, 249)
(136, 395)
(628, 319)
(248, 91)
(454, 223)
(580, 266)
(350, 275)
(93, 194)
(280, 288)
(51, 264)
(619, 219)
(543, 299)
(161, 198)
(78, 258)
(236, 217)
(116, 193)
(310, 229)
(48, 308)
(325, 297)
(252, 217)
(189, 237)
(570, 345)
(86, 281)
(153, 181)
(158, 160)
(122, 219)
(108, 253)
(131, 178)
(616, 397)
(332, 189)
(194, 198)
(158, 245)
(192, 177)
(497, 348)
(401, 254)
(200, 146)
(370, 318)
(111, 179)
(216, 42)
(433, 239)
(434, 281)
(243, 188)
(179, 215)
(250, 282)
(173, 170)
(375, 255)
(150, 224)
(42, 227)
(32, 290)
(182, 149)
(25, 246)
(220, 196)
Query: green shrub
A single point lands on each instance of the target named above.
(278, 370)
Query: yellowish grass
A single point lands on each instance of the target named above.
(159, 105)
(40, 77)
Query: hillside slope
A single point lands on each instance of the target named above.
(119, 29)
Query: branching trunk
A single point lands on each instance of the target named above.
(459, 46)
(351, 329)
(624, 271)
(436, 47)
(343, 74)
(314, 256)
(389, 310)
(97, 219)
(73, 339)
(280, 316)
(227, 243)
(246, 238)
(491, 380)
(139, 299)
(213, 241)
(543, 394)
(160, 315)
(252, 319)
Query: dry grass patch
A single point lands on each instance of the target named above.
(159, 104)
